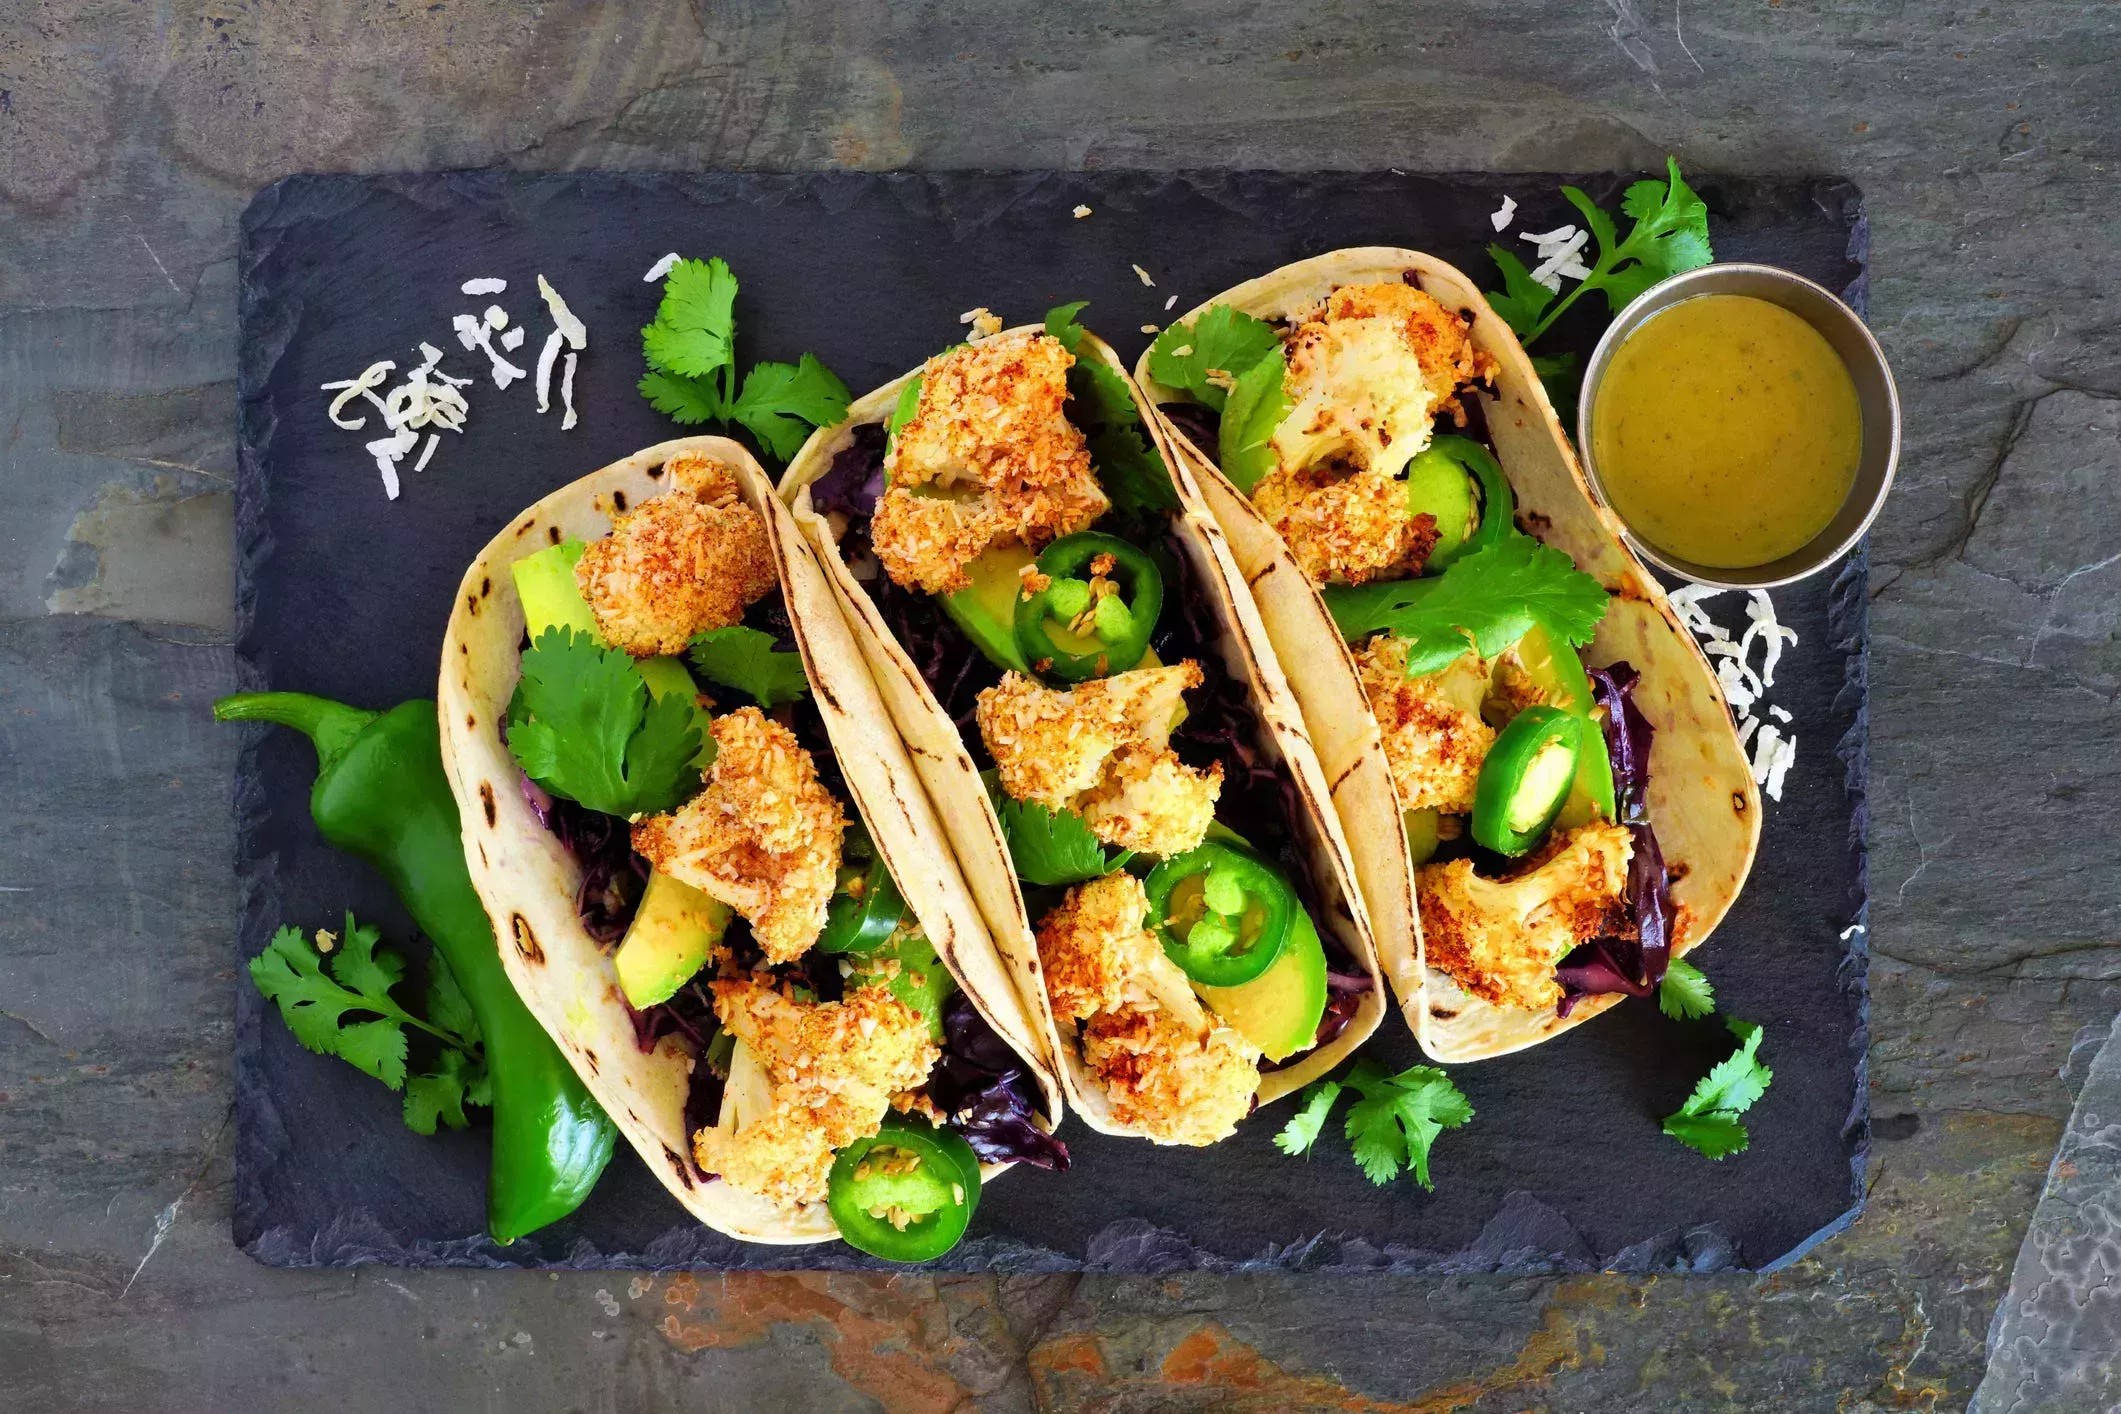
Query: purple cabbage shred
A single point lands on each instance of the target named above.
(613, 876)
(856, 477)
(988, 1096)
(1633, 960)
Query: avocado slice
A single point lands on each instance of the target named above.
(1438, 486)
(1554, 668)
(672, 934)
(986, 609)
(1424, 833)
(921, 981)
(546, 586)
(1279, 1010)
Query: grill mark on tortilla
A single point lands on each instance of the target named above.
(1342, 778)
(552, 533)
(1738, 802)
(1441, 1015)
(471, 604)
(678, 1165)
(589, 1058)
(526, 941)
(486, 800)
(656, 470)
(1271, 566)
(618, 500)
(485, 586)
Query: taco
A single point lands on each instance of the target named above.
(1428, 562)
(1057, 627)
(735, 912)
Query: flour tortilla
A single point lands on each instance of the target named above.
(527, 879)
(947, 769)
(1702, 801)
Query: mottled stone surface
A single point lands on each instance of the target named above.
(1985, 140)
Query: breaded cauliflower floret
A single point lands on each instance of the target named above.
(988, 455)
(1434, 738)
(1367, 374)
(1102, 749)
(809, 1078)
(1175, 1086)
(1501, 938)
(763, 837)
(686, 561)
(1168, 1067)
(1098, 955)
(1345, 528)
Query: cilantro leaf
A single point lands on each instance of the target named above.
(1491, 597)
(781, 403)
(687, 400)
(1708, 1121)
(694, 334)
(1255, 408)
(1685, 994)
(1101, 396)
(447, 1007)
(442, 1093)
(290, 974)
(1061, 323)
(1132, 473)
(1399, 1117)
(1050, 847)
(583, 726)
(1670, 235)
(745, 659)
(1223, 339)
(1301, 1132)
(1523, 299)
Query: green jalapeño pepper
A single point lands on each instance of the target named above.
(905, 1193)
(1433, 488)
(1222, 913)
(1096, 613)
(1526, 777)
(381, 795)
(866, 906)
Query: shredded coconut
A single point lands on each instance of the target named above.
(567, 393)
(1148, 328)
(473, 334)
(1081, 212)
(1171, 301)
(1145, 277)
(371, 378)
(1504, 214)
(485, 285)
(1558, 260)
(661, 268)
(984, 321)
(512, 339)
(576, 331)
(1769, 752)
(547, 357)
(427, 398)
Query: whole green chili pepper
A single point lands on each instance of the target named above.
(381, 795)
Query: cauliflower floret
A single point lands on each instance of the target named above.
(1102, 748)
(1168, 1067)
(1434, 738)
(686, 561)
(763, 837)
(1098, 955)
(807, 1078)
(989, 454)
(1367, 374)
(1501, 938)
(1345, 528)
(1175, 1086)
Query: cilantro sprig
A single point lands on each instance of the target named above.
(1670, 235)
(317, 995)
(1050, 847)
(1685, 994)
(1204, 357)
(745, 659)
(1708, 1122)
(1129, 469)
(583, 725)
(1486, 601)
(1392, 1128)
(691, 354)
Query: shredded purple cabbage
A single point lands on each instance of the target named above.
(1633, 963)
(1197, 420)
(981, 1086)
(613, 876)
(856, 477)
(688, 1014)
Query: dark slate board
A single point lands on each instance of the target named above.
(344, 593)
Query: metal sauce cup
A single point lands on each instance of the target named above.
(1876, 397)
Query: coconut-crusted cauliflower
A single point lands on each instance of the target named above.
(688, 560)
(988, 455)
(763, 837)
(1500, 939)
(1434, 738)
(1102, 749)
(1168, 1069)
(825, 1074)
(1368, 372)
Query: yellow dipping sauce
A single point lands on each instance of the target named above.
(1726, 431)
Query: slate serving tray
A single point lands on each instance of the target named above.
(344, 593)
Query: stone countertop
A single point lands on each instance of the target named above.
(131, 138)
